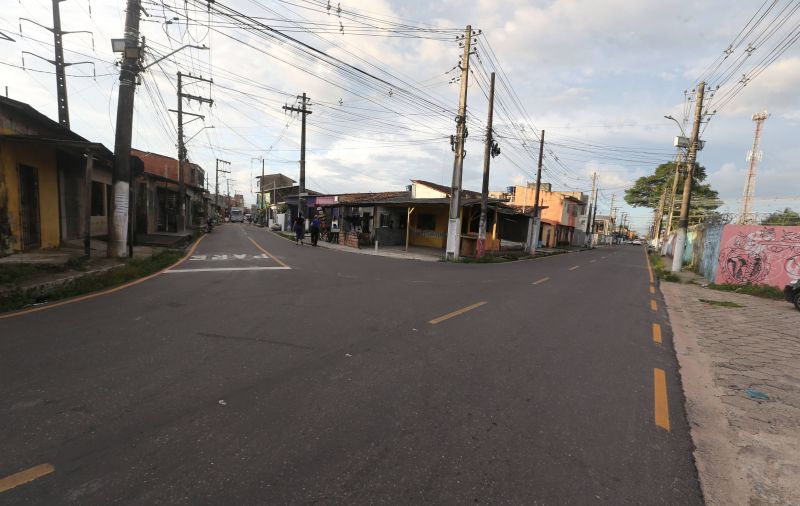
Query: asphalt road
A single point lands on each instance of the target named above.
(261, 372)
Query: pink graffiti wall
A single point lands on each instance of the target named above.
(759, 254)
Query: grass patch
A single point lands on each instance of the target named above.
(764, 291)
(721, 303)
(132, 269)
(15, 273)
(661, 272)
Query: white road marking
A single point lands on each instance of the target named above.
(239, 257)
(198, 257)
(230, 269)
(219, 257)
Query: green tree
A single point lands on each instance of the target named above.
(646, 191)
(785, 217)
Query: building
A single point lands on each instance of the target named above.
(563, 214)
(419, 216)
(155, 194)
(49, 195)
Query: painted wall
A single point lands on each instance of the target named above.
(707, 263)
(759, 254)
(44, 160)
(420, 191)
(432, 238)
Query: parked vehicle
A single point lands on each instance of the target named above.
(636, 242)
(792, 293)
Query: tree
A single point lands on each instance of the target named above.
(646, 191)
(785, 217)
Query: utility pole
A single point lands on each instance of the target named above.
(489, 151)
(120, 203)
(678, 162)
(454, 225)
(589, 214)
(754, 156)
(181, 142)
(683, 223)
(216, 184)
(594, 216)
(58, 62)
(536, 208)
(303, 110)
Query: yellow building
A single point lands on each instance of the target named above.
(44, 196)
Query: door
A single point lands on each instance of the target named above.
(29, 207)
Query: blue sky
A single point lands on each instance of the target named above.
(598, 75)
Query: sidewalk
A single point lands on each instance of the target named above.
(413, 253)
(740, 368)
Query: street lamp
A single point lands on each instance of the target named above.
(195, 134)
(677, 123)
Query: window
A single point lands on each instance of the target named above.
(385, 221)
(98, 199)
(426, 221)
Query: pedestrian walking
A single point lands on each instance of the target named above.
(314, 229)
(299, 229)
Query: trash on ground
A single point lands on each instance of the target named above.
(756, 394)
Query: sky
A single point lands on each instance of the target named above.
(598, 77)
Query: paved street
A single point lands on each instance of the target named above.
(261, 372)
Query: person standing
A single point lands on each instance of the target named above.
(299, 226)
(314, 229)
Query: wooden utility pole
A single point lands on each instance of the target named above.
(594, 216)
(182, 144)
(216, 183)
(589, 214)
(121, 175)
(683, 223)
(536, 207)
(678, 161)
(489, 151)
(303, 111)
(454, 225)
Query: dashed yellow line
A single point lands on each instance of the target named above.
(105, 292)
(661, 406)
(457, 312)
(540, 281)
(653, 305)
(657, 333)
(25, 476)
(262, 250)
(652, 289)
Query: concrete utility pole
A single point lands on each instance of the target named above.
(683, 223)
(181, 142)
(454, 225)
(754, 156)
(216, 183)
(488, 152)
(536, 207)
(594, 216)
(303, 110)
(589, 214)
(120, 203)
(58, 62)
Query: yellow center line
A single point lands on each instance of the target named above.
(457, 312)
(540, 281)
(262, 250)
(653, 305)
(649, 267)
(657, 333)
(574, 267)
(652, 289)
(25, 476)
(661, 408)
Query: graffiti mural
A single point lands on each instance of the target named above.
(759, 255)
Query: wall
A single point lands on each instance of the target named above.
(44, 160)
(759, 254)
(707, 263)
(420, 191)
(436, 238)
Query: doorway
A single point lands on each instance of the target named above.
(29, 207)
